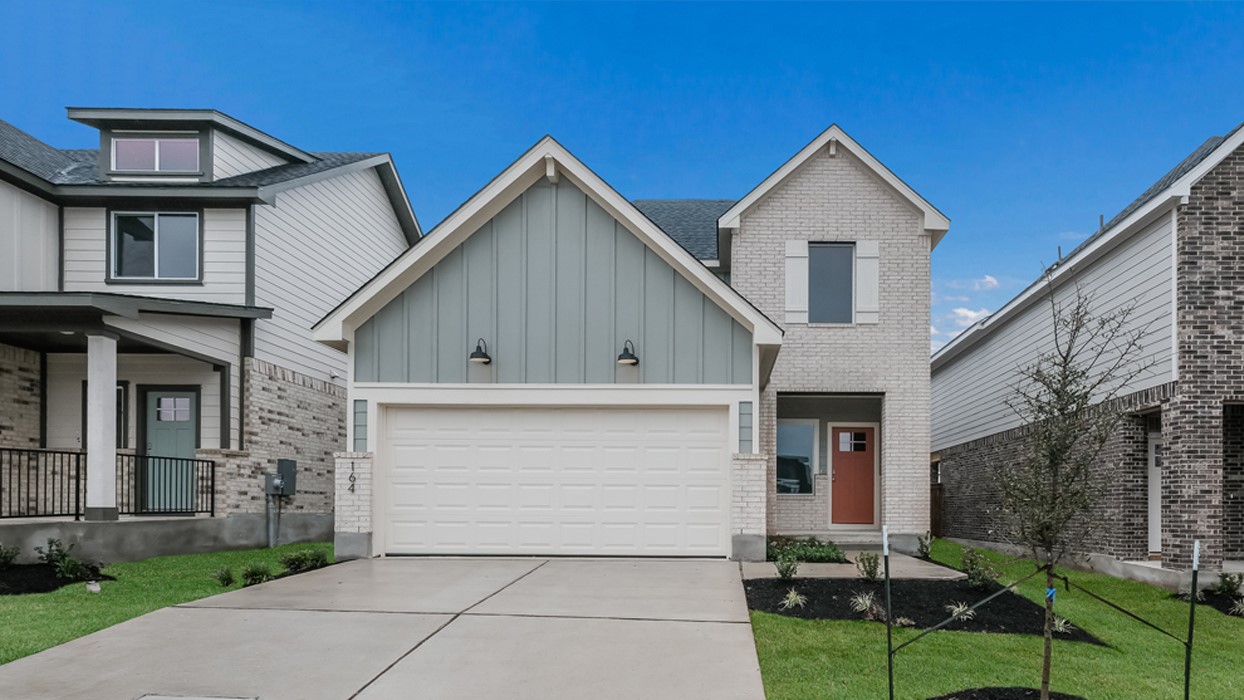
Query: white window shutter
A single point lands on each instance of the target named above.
(867, 282)
(796, 281)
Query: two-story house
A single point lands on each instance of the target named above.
(1174, 471)
(557, 370)
(156, 300)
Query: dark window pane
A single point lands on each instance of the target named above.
(135, 246)
(179, 246)
(796, 446)
(179, 155)
(830, 284)
(134, 154)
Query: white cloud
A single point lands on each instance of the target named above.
(933, 330)
(965, 317)
(986, 282)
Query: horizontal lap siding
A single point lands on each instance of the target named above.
(970, 392)
(318, 244)
(554, 286)
(231, 156)
(28, 241)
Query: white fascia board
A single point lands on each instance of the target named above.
(552, 394)
(498, 194)
(934, 222)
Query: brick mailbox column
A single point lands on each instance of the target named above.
(352, 528)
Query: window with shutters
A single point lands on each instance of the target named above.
(833, 283)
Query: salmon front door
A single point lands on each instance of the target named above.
(853, 464)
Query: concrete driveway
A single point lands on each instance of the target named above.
(428, 628)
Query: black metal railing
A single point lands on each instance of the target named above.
(41, 483)
(151, 485)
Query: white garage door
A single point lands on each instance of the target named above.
(528, 480)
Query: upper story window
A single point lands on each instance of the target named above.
(831, 282)
(155, 154)
(155, 246)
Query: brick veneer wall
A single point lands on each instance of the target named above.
(1210, 342)
(805, 512)
(749, 500)
(839, 199)
(972, 501)
(20, 394)
(1233, 491)
(352, 512)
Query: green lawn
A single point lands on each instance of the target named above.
(847, 659)
(34, 622)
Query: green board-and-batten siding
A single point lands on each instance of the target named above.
(554, 285)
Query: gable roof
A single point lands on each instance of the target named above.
(1174, 186)
(691, 222)
(934, 222)
(547, 158)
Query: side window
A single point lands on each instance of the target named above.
(797, 442)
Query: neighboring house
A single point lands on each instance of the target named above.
(556, 370)
(156, 299)
(1174, 472)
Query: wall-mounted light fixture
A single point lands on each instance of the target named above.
(480, 355)
(627, 356)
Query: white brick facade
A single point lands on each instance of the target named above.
(837, 198)
(353, 492)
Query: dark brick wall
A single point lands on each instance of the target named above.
(1210, 313)
(1233, 492)
(20, 396)
(972, 502)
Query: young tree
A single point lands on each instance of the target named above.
(1052, 493)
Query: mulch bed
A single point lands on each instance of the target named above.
(922, 601)
(1219, 602)
(37, 578)
(1002, 694)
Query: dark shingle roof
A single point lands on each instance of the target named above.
(77, 166)
(690, 222)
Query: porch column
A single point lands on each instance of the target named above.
(101, 427)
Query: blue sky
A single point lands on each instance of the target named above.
(1023, 123)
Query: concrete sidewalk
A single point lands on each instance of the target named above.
(428, 628)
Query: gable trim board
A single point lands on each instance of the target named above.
(338, 327)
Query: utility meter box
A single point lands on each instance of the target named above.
(285, 481)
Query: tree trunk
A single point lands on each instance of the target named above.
(1049, 634)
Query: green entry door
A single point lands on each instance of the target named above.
(172, 425)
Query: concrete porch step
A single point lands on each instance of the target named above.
(852, 539)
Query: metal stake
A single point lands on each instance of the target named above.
(889, 626)
(1196, 565)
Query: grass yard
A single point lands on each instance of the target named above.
(847, 659)
(34, 622)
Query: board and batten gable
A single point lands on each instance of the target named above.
(28, 241)
(313, 248)
(223, 251)
(970, 390)
(555, 286)
(232, 156)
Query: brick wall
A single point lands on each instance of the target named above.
(748, 502)
(804, 512)
(19, 391)
(839, 199)
(1233, 492)
(353, 507)
(1210, 313)
(289, 415)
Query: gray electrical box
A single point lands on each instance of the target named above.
(285, 481)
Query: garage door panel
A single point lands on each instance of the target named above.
(630, 481)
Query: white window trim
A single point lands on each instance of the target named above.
(157, 139)
(198, 245)
(816, 454)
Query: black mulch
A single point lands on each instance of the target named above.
(1002, 694)
(1219, 602)
(923, 602)
(37, 578)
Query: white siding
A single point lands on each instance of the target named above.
(27, 241)
(223, 250)
(312, 250)
(232, 156)
(66, 373)
(970, 391)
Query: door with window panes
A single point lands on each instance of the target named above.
(165, 475)
(853, 464)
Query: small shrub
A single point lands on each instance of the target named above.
(8, 555)
(865, 603)
(787, 566)
(961, 611)
(1228, 585)
(1237, 608)
(1184, 594)
(224, 576)
(54, 552)
(869, 566)
(304, 560)
(904, 622)
(924, 545)
(1062, 626)
(256, 572)
(810, 550)
(981, 574)
(793, 599)
(70, 569)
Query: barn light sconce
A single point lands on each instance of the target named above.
(627, 356)
(480, 355)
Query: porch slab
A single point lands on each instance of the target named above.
(393, 584)
(901, 566)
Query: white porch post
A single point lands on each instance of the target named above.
(101, 427)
